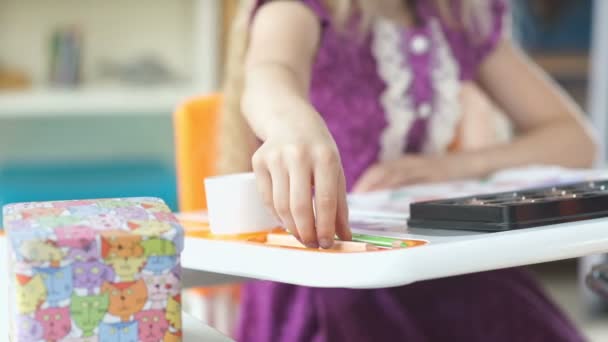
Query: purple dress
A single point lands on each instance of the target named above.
(392, 91)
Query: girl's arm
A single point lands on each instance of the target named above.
(298, 151)
(551, 127)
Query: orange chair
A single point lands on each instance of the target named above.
(195, 124)
(196, 140)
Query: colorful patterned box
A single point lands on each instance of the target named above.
(94, 270)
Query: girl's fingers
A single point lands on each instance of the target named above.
(326, 178)
(280, 195)
(264, 183)
(342, 224)
(300, 190)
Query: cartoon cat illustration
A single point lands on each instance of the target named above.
(119, 332)
(36, 213)
(166, 217)
(81, 339)
(56, 323)
(127, 268)
(19, 237)
(105, 222)
(17, 224)
(149, 228)
(133, 213)
(178, 239)
(173, 337)
(152, 325)
(90, 275)
(86, 253)
(28, 329)
(126, 298)
(174, 312)
(177, 271)
(154, 205)
(77, 236)
(39, 252)
(160, 288)
(10, 216)
(58, 282)
(57, 221)
(161, 255)
(24, 206)
(159, 264)
(71, 203)
(120, 244)
(114, 203)
(88, 311)
(22, 268)
(158, 247)
(31, 293)
(87, 210)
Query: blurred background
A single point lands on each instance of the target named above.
(87, 91)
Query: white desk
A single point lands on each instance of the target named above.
(448, 253)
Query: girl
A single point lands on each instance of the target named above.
(349, 95)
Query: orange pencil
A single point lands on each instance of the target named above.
(345, 246)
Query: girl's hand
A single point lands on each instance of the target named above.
(293, 167)
(413, 169)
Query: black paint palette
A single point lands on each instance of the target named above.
(514, 210)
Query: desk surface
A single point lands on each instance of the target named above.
(446, 253)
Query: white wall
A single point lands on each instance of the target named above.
(120, 29)
(184, 33)
(598, 82)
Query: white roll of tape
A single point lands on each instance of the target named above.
(235, 206)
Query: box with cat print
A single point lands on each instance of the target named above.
(94, 270)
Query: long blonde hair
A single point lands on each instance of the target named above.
(236, 140)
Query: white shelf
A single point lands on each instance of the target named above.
(187, 43)
(93, 101)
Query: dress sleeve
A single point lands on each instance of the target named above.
(490, 23)
(317, 6)
(499, 26)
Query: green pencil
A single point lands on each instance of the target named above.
(380, 241)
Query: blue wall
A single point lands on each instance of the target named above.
(87, 157)
(570, 31)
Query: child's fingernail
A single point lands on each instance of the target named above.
(312, 245)
(326, 243)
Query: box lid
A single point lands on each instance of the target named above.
(57, 228)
